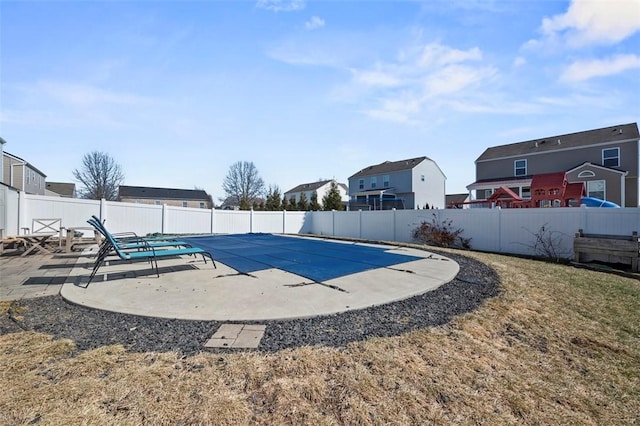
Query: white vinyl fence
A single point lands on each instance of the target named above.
(496, 230)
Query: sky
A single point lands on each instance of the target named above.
(177, 92)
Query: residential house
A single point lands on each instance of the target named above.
(320, 188)
(456, 201)
(605, 160)
(414, 183)
(196, 198)
(61, 189)
(22, 175)
(2, 142)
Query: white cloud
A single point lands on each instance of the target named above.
(281, 5)
(585, 70)
(434, 74)
(374, 78)
(519, 61)
(589, 22)
(314, 23)
(436, 54)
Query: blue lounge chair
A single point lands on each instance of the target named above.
(146, 250)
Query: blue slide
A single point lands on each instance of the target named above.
(597, 202)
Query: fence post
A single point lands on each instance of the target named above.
(394, 224)
(333, 222)
(213, 218)
(360, 223)
(165, 218)
(499, 210)
(22, 210)
(583, 218)
(103, 210)
(251, 221)
(284, 221)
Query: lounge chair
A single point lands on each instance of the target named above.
(144, 250)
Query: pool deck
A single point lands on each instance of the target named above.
(190, 289)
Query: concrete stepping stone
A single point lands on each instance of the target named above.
(246, 336)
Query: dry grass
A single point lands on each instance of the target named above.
(559, 346)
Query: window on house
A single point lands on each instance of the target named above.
(185, 204)
(586, 174)
(596, 189)
(526, 192)
(520, 168)
(158, 203)
(374, 181)
(385, 181)
(611, 157)
(361, 183)
(202, 205)
(422, 178)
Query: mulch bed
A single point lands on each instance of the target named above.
(91, 328)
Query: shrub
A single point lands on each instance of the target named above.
(441, 234)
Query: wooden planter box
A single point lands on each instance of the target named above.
(607, 248)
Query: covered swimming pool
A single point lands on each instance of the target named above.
(315, 259)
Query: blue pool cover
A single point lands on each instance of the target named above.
(317, 260)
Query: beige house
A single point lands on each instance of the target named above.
(605, 160)
(61, 189)
(195, 198)
(22, 175)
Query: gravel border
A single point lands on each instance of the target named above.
(91, 328)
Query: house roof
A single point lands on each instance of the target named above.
(455, 198)
(161, 193)
(390, 166)
(575, 190)
(590, 164)
(547, 180)
(31, 166)
(62, 188)
(623, 132)
(308, 186)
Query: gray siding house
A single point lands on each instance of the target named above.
(21, 175)
(406, 184)
(605, 159)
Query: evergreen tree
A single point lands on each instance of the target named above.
(293, 205)
(315, 205)
(274, 203)
(332, 199)
(303, 204)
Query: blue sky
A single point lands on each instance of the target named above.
(176, 92)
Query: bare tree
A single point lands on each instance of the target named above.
(243, 185)
(100, 175)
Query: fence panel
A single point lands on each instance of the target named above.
(481, 225)
(142, 219)
(72, 211)
(322, 223)
(347, 224)
(552, 228)
(9, 202)
(378, 225)
(185, 220)
(599, 221)
(298, 222)
(232, 222)
(267, 222)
